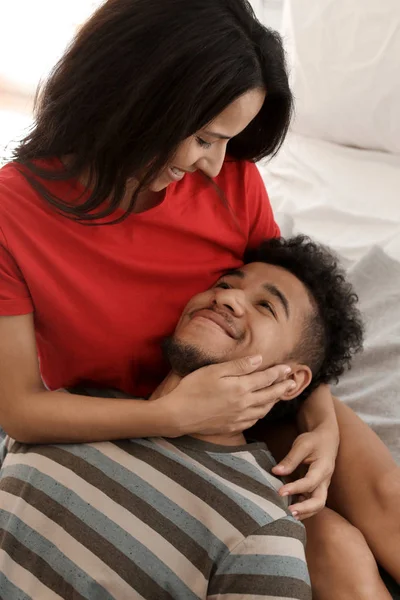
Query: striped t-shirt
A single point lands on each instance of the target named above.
(154, 519)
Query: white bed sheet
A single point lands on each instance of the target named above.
(345, 197)
(349, 199)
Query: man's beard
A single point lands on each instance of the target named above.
(185, 358)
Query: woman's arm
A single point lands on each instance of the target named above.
(318, 410)
(316, 446)
(365, 484)
(219, 397)
(31, 414)
(365, 488)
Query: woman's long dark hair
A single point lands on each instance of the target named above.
(139, 78)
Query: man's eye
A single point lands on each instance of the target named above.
(203, 143)
(267, 305)
(223, 285)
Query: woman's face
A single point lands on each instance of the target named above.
(206, 149)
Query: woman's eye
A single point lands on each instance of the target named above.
(223, 285)
(203, 143)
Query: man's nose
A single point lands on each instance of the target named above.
(211, 164)
(230, 300)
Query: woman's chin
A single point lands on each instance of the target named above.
(158, 186)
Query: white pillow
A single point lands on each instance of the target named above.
(344, 57)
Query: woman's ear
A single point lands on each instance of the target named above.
(302, 376)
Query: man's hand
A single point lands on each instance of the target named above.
(318, 449)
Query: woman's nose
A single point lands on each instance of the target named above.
(211, 164)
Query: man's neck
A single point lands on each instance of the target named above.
(228, 439)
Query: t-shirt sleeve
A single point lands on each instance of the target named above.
(269, 563)
(14, 294)
(261, 217)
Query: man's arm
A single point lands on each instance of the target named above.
(269, 563)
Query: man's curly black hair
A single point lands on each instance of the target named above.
(334, 332)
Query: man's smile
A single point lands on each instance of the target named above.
(219, 318)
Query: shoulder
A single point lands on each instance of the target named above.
(22, 206)
(272, 558)
(13, 187)
(234, 180)
(15, 180)
(11, 180)
(240, 175)
(16, 193)
(286, 526)
(245, 190)
(284, 537)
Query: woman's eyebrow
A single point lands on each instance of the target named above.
(220, 136)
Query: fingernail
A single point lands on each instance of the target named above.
(279, 468)
(287, 370)
(295, 514)
(255, 360)
(285, 494)
(291, 385)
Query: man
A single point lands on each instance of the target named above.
(193, 517)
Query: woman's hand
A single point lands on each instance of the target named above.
(318, 449)
(225, 398)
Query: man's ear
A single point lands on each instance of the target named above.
(302, 376)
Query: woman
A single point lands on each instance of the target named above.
(134, 190)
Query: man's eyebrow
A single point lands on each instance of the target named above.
(220, 136)
(272, 289)
(234, 273)
(269, 287)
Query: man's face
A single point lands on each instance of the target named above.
(259, 309)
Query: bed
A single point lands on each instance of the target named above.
(337, 177)
(348, 198)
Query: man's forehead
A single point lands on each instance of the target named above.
(273, 278)
(257, 271)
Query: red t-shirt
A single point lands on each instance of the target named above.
(104, 297)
